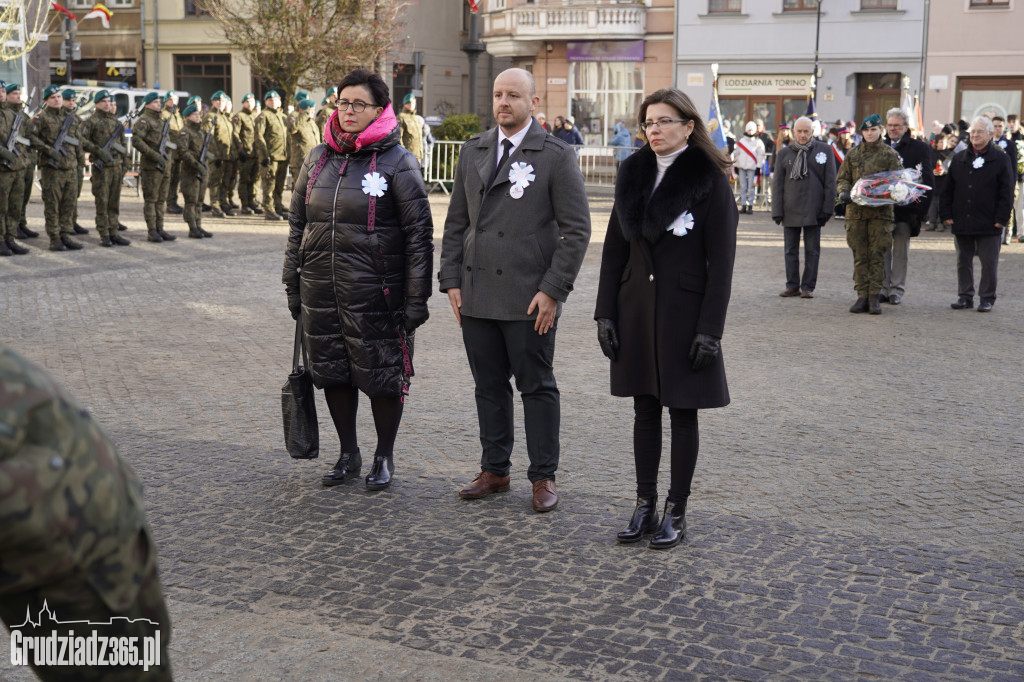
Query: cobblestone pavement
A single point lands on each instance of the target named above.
(856, 511)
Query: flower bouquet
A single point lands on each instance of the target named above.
(889, 187)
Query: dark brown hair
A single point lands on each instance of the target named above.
(700, 137)
(372, 82)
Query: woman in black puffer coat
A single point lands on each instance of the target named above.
(358, 268)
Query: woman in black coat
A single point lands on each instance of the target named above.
(666, 276)
(358, 268)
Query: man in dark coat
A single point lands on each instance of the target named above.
(1010, 147)
(518, 227)
(907, 219)
(976, 203)
(803, 197)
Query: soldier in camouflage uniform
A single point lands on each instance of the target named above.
(329, 107)
(868, 228)
(231, 162)
(272, 148)
(154, 169)
(107, 165)
(304, 135)
(194, 172)
(10, 174)
(73, 532)
(291, 117)
(27, 164)
(217, 122)
(71, 105)
(170, 112)
(244, 123)
(59, 168)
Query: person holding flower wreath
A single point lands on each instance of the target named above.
(665, 283)
(358, 268)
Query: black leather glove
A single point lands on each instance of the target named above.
(243, 157)
(608, 337)
(845, 198)
(295, 307)
(217, 163)
(265, 162)
(777, 219)
(703, 351)
(823, 218)
(416, 313)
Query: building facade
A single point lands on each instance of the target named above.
(869, 51)
(593, 59)
(26, 45)
(107, 54)
(975, 59)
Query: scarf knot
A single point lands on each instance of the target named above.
(349, 143)
(798, 170)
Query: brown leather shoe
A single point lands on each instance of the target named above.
(545, 497)
(806, 293)
(483, 485)
(789, 292)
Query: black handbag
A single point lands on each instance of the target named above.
(301, 431)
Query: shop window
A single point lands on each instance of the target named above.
(194, 8)
(202, 74)
(604, 93)
(878, 4)
(989, 97)
(724, 6)
(799, 5)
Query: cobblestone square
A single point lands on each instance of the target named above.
(857, 510)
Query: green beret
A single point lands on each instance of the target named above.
(247, 96)
(189, 110)
(408, 98)
(323, 102)
(270, 93)
(307, 104)
(220, 94)
(871, 121)
(50, 91)
(150, 96)
(193, 99)
(99, 96)
(3, 86)
(12, 87)
(67, 94)
(169, 94)
(333, 90)
(301, 95)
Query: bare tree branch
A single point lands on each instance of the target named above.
(17, 21)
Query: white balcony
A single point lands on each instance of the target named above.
(521, 30)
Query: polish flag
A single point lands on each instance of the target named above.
(474, 5)
(64, 10)
(99, 12)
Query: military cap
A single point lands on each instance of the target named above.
(12, 87)
(220, 94)
(307, 104)
(150, 96)
(871, 121)
(408, 98)
(193, 99)
(842, 130)
(68, 93)
(323, 102)
(189, 110)
(783, 126)
(169, 94)
(100, 96)
(50, 91)
(333, 90)
(248, 96)
(270, 93)
(301, 95)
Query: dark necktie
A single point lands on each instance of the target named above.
(507, 144)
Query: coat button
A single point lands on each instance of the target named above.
(651, 278)
(469, 268)
(499, 272)
(298, 269)
(501, 234)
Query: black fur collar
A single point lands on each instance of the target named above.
(687, 181)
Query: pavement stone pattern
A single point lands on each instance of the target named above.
(856, 510)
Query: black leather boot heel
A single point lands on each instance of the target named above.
(673, 526)
(644, 520)
(347, 468)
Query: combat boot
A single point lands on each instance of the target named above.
(232, 204)
(165, 236)
(270, 215)
(173, 207)
(79, 229)
(246, 210)
(874, 307)
(105, 240)
(122, 227)
(5, 250)
(227, 210)
(152, 235)
(57, 245)
(202, 232)
(16, 248)
(256, 209)
(193, 229)
(25, 233)
(115, 238)
(860, 306)
(70, 243)
(216, 212)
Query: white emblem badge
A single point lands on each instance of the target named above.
(681, 225)
(1002, 144)
(821, 158)
(374, 184)
(521, 174)
(979, 162)
(516, 192)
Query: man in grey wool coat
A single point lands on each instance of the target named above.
(518, 227)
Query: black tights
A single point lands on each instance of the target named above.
(343, 403)
(647, 448)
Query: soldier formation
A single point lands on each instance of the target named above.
(186, 152)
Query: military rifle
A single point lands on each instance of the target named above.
(112, 143)
(16, 138)
(205, 151)
(164, 145)
(63, 139)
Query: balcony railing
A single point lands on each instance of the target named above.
(596, 22)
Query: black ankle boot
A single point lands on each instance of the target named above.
(380, 473)
(673, 526)
(347, 468)
(644, 520)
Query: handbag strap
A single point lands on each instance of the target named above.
(298, 345)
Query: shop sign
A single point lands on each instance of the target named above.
(764, 84)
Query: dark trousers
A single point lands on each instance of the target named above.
(497, 351)
(812, 252)
(987, 249)
(647, 448)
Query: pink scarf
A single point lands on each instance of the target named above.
(342, 142)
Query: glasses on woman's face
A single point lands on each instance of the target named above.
(357, 106)
(661, 123)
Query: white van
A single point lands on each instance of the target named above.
(126, 99)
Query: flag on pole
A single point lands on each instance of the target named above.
(64, 10)
(917, 113)
(715, 120)
(99, 12)
(474, 5)
(812, 110)
(908, 107)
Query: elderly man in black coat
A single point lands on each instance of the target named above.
(976, 202)
(907, 219)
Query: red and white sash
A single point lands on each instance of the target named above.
(749, 153)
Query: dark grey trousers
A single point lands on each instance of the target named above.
(497, 351)
(987, 249)
(812, 252)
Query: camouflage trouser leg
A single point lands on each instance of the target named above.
(154, 193)
(230, 180)
(26, 192)
(192, 190)
(282, 174)
(72, 598)
(78, 192)
(8, 228)
(172, 189)
(247, 174)
(14, 210)
(216, 179)
(106, 188)
(268, 175)
(59, 187)
(869, 240)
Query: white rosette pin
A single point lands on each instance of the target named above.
(979, 162)
(520, 175)
(898, 192)
(681, 225)
(374, 184)
(821, 158)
